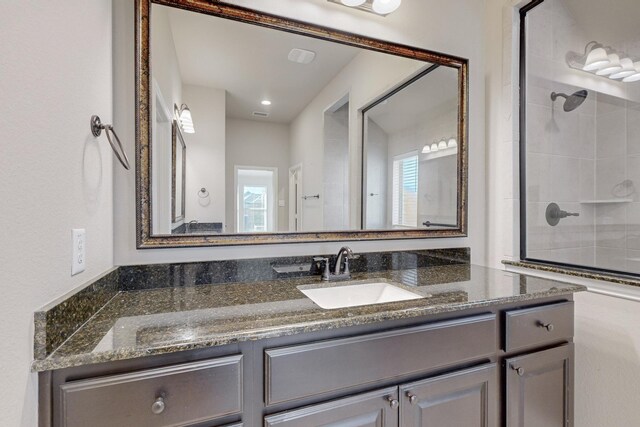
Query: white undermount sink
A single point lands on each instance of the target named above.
(341, 296)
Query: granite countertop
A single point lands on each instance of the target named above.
(165, 320)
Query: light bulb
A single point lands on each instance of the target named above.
(442, 145)
(426, 149)
(595, 59)
(352, 3)
(633, 78)
(434, 147)
(627, 69)
(452, 143)
(384, 7)
(266, 102)
(612, 67)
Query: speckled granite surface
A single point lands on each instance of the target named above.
(170, 319)
(576, 272)
(56, 322)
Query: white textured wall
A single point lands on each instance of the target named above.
(205, 153)
(55, 68)
(422, 24)
(256, 143)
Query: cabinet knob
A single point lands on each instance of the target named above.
(158, 406)
(519, 370)
(393, 402)
(547, 326)
(412, 398)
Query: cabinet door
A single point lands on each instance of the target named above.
(375, 409)
(539, 388)
(460, 399)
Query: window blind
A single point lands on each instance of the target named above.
(405, 191)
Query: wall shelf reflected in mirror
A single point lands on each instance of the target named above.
(297, 126)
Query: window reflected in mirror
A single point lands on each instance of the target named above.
(411, 154)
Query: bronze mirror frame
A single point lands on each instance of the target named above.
(177, 139)
(144, 237)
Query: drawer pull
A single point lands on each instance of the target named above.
(412, 398)
(547, 326)
(393, 402)
(158, 406)
(519, 370)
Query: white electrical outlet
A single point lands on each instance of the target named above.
(78, 260)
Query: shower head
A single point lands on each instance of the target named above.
(571, 101)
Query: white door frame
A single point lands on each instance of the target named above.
(295, 170)
(235, 194)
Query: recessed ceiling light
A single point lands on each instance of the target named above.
(266, 102)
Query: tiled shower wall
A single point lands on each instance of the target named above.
(576, 159)
(617, 239)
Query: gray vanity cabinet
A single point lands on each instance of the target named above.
(538, 388)
(460, 399)
(375, 409)
(508, 365)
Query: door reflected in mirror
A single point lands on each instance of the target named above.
(288, 133)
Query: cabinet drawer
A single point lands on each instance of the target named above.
(169, 396)
(536, 326)
(303, 371)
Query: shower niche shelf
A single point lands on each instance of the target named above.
(604, 201)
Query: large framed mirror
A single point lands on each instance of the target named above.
(296, 132)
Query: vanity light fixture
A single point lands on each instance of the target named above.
(384, 7)
(626, 70)
(596, 58)
(379, 7)
(634, 77)
(186, 121)
(612, 67)
(605, 62)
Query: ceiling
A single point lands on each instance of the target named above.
(250, 63)
(429, 96)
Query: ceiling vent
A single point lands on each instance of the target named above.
(301, 56)
(260, 114)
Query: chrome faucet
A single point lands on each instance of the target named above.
(189, 224)
(347, 253)
(339, 273)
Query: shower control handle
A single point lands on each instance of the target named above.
(554, 214)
